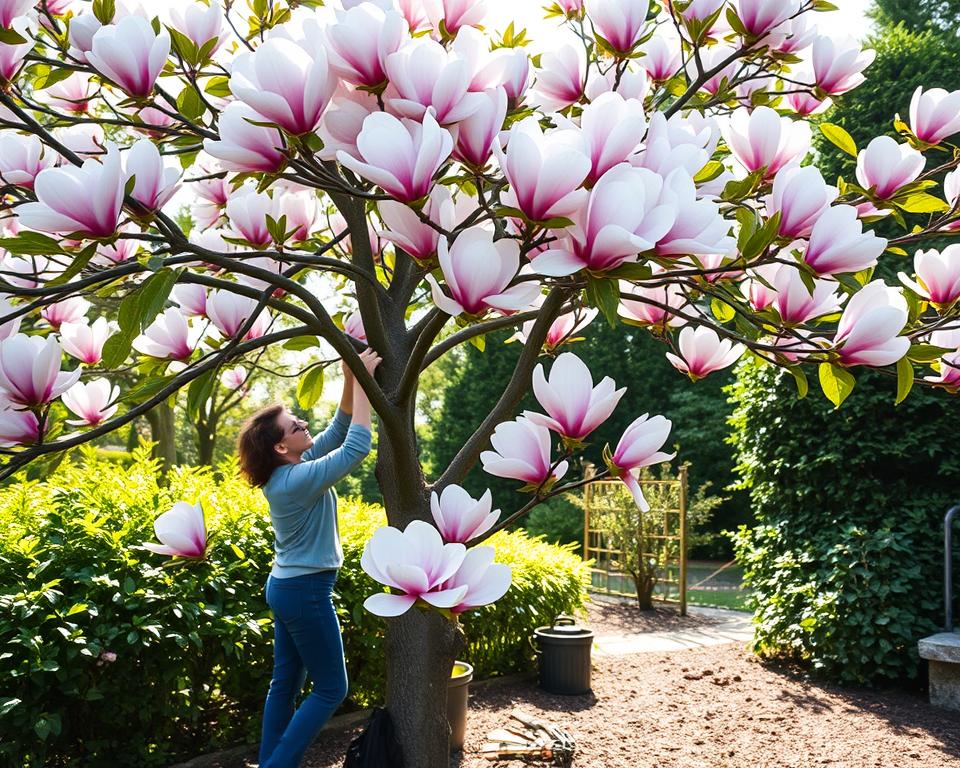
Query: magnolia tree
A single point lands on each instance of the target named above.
(390, 174)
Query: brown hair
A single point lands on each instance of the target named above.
(255, 445)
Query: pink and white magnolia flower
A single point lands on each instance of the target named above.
(486, 581)
(415, 14)
(620, 23)
(702, 352)
(763, 139)
(938, 275)
(353, 327)
(229, 311)
(799, 34)
(948, 367)
(574, 406)
(885, 166)
(300, 208)
(423, 74)
(169, 336)
(652, 305)
(155, 181)
(12, 55)
(640, 447)
(22, 158)
(406, 230)
(545, 170)
(93, 402)
(837, 64)
(73, 94)
(475, 135)
(30, 373)
(11, 9)
(247, 211)
(662, 57)
(455, 13)
(85, 200)
(191, 298)
(234, 378)
(794, 302)
(806, 104)
(759, 17)
(712, 58)
(521, 451)
(459, 516)
(478, 271)
(400, 156)
(85, 341)
(343, 121)
(625, 215)
(286, 83)
(243, 146)
(561, 330)
(869, 328)
(611, 127)
(759, 288)
(514, 72)
(934, 114)
(561, 78)
(18, 427)
(683, 141)
(699, 228)
(181, 530)
(839, 244)
(8, 327)
(414, 561)
(360, 41)
(71, 310)
(130, 54)
(800, 196)
(199, 23)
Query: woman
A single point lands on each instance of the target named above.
(297, 475)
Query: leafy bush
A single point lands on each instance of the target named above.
(114, 656)
(846, 562)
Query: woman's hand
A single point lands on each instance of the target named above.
(347, 373)
(370, 360)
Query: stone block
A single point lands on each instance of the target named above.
(943, 653)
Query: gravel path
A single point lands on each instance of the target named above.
(716, 707)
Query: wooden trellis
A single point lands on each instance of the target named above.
(664, 537)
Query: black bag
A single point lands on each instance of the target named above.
(377, 746)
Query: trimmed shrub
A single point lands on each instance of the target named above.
(846, 563)
(115, 656)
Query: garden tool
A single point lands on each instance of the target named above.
(533, 740)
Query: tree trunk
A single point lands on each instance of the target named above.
(206, 441)
(421, 647)
(163, 432)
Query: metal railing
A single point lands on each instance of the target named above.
(948, 567)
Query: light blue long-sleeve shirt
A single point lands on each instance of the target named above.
(303, 504)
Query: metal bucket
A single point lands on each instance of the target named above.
(563, 654)
(457, 691)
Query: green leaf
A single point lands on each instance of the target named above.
(310, 387)
(104, 10)
(762, 238)
(53, 77)
(922, 202)
(709, 172)
(76, 266)
(926, 353)
(300, 343)
(801, 378)
(78, 608)
(154, 294)
(480, 342)
(219, 87)
(836, 383)
(237, 551)
(905, 378)
(605, 296)
(632, 271)
(722, 311)
(11, 37)
(839, 138)
(145, 390)
(6, 705)
(189, 103)
(31, 244)
(199, 392)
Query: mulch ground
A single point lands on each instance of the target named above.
(715, 707)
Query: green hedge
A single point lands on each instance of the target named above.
(846, 562)
(114, 656)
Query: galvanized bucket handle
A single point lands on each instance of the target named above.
(564, 619)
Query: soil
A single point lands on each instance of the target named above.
(717, 707)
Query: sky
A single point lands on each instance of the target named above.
(847, 20)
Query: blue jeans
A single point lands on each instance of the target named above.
(306, 640)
